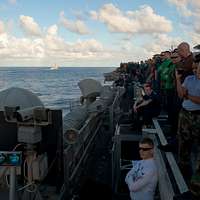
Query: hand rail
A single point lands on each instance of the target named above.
(170, 158)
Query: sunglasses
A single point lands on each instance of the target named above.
(145, 149)
(174, 57)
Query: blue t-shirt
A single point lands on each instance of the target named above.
(192, 84)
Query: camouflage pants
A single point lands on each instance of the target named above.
(189, 143)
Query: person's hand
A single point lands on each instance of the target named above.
(178, 76)
(135, 108)
(185, 92)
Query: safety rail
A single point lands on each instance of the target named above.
(114, 109)
(115, 158)
(76, 155)
(117, 166)
(182, 186)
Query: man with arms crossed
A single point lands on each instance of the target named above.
(142, 178)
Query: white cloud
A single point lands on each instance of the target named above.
(6, 26)
(77, 26)
(94, 15)
(144, 20)
(18, 48)
(52, 30)
(149, 21)
(2, 27)
(182, 6)
(196, 28)
(190, 9)
(187, 7)
(29, 26)
(50, 45)
(48, 48)
(51, 48)
(195, 37)
(161, 42)
(90, 45)
(54, 44)
(3, 41)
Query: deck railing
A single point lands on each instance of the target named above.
(171, 162)
(77, 154)
(114, 109)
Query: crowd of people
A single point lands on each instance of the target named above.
(171, 82)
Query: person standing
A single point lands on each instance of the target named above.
(142, 178)
(185, 65)
(189, 124)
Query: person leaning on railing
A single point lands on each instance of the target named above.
(189, 127)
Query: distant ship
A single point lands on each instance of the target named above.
(54, 67)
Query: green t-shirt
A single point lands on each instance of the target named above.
(166, 71)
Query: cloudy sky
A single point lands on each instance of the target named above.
(93, 32)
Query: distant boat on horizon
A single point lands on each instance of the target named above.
(54, 67)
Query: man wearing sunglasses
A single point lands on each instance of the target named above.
(142, 178)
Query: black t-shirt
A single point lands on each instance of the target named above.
(155, 103)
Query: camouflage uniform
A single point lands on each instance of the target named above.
(189, 145)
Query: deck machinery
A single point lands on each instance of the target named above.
(54, 150)
(26, 126)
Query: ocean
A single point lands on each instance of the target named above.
(55, 88)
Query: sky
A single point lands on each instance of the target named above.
(96, 33)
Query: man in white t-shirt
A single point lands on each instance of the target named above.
(142, 178)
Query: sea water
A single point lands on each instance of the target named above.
(55, 88)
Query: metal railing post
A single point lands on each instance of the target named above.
(12, 190)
